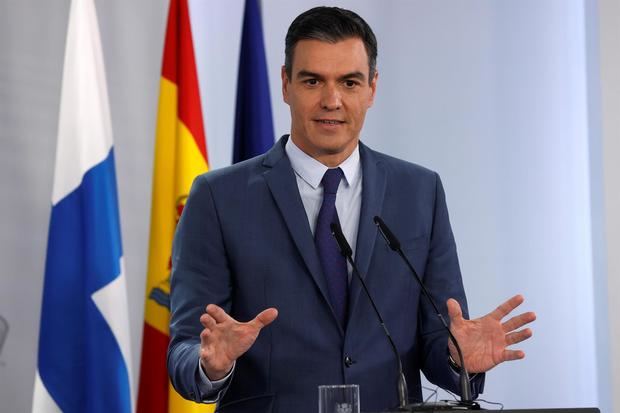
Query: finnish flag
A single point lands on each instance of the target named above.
(84, 362)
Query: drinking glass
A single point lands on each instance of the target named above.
(344, 398)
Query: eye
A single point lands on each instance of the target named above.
(311, 82)
(350, 84)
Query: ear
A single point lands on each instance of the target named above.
(373, 88)
(285, 84)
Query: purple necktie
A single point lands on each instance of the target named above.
(333, 263)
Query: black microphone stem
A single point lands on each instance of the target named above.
(403, 397)
(394, 244)
(464, 376)
(346, 251)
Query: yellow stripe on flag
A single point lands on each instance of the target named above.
(177, 162)
(177, 404)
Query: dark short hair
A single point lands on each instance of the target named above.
(330, 24)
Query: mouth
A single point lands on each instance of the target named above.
(329, 121)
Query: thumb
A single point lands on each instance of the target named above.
(264, 318)
(454, 310)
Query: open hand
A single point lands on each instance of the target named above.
(484, 341)
(225, 339)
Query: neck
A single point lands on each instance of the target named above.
(331, 159)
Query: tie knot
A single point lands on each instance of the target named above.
(331, 180)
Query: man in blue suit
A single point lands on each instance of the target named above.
(251, 247)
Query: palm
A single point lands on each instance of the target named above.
(484, 341)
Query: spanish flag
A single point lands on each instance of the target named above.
(180, 155)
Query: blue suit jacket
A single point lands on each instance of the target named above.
(244, 243)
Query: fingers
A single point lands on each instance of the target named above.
(506, 307)
(264, 318)
(204, 336)
(454, 309)
(218, 313)
(518, 336)
(207, 321)
(518, 321)
(514, 338)
(510, 355)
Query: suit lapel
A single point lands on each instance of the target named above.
(281, 181)
(373, 192)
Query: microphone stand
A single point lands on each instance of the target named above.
(466, 402)
(347, 252)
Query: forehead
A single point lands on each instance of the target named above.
(316, 56)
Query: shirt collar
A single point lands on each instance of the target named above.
(312, 171)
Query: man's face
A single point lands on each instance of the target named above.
(329, 94)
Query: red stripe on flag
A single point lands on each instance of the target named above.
(179, 66)
(190, 111)
(153, 391)
(169, 63)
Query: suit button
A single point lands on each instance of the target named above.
(348, 361)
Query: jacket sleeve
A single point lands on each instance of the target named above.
(200, 276)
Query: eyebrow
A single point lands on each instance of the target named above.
(352, 75)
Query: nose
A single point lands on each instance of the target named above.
(330, 98)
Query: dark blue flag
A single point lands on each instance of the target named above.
(253, 120)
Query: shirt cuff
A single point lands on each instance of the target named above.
(456, 369)
(208, 387)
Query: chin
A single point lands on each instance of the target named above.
(335, 149)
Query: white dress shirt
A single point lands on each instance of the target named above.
(309, 173)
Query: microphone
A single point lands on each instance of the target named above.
(347, 252)
(394, 244)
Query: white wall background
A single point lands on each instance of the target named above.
(609, 88)
(514, 103)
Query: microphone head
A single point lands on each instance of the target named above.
(388, 236)
(345, 248)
